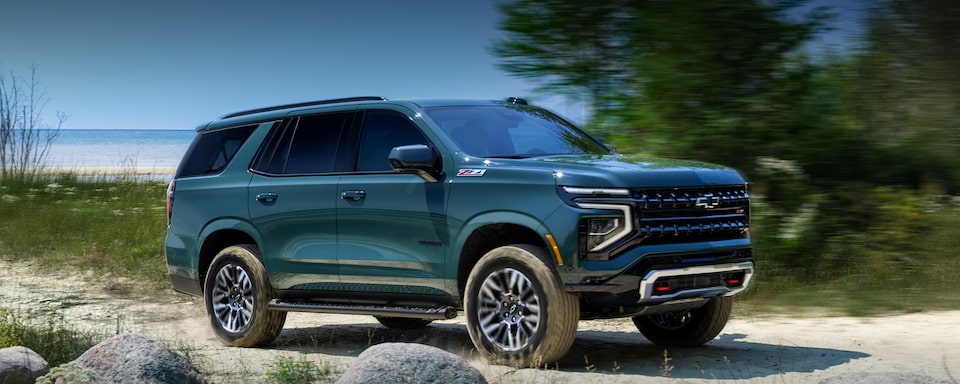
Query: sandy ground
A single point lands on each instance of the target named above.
(918, 347)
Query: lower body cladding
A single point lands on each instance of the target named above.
(660, 290)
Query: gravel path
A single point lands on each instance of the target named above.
(917, 347)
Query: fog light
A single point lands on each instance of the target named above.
(733, 280)
(661, 287)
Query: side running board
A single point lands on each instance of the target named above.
(441, 313)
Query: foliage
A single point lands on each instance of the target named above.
(680, 78)
(843, 149)
(290, 370)
(53, 340)
(24, 137)
(72, 373)
(106, 225)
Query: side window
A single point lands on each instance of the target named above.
(211, 151)
(315, 142)
(306, 145)
(382, 131)
(273, 154)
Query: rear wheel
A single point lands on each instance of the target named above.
(686, 328)
(236, 293)
(517, 310)
(403, 322)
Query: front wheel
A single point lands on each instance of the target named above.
(236, 293)
(517, 310)
(686, 328)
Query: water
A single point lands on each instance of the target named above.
(141, 149)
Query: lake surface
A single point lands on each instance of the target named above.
(119, 148)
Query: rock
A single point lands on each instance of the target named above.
(127, 358)
(409, 363)
(21, 365)
(881, 378)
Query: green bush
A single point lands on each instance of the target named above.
(53, 340)
(856, 249)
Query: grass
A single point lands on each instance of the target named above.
(52, 339)
(288, 370)
(106, 225)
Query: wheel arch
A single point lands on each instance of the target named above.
(218, 235)
(492, 231)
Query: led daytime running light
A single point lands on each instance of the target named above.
(597, 191)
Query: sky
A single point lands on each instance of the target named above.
(175, 64)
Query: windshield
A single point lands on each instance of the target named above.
(515, 131)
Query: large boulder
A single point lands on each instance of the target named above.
(409, 363)
(127, 358)
(21, 365)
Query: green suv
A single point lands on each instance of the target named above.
(416, 210)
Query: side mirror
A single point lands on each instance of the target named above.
(418, 159)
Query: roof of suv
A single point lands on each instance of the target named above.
(279, 111)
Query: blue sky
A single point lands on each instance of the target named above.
(174, 64)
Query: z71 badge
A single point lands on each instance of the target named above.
(471, 172)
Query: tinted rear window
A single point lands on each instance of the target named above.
(307, 145)
(212, 151)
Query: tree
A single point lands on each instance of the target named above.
(580, 49)
(901, 93)
(24, 137)
(685, 78)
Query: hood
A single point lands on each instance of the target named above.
(636, 171)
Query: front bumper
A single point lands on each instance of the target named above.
(694, 282)
(659, 282)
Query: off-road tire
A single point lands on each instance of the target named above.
(512, 289)
(687, 328)
(236, 292)
(403, 322)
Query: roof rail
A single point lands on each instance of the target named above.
(304, 104)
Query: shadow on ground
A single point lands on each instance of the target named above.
(605, 352)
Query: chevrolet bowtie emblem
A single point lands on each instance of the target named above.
(708, 201)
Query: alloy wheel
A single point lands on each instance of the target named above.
(509, 309)
(233, 298)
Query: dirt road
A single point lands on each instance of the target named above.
(919, 347)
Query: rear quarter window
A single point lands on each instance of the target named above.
(212, 151)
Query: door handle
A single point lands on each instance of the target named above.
(353, 195)
(266, 197)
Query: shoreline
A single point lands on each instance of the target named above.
(139, 172)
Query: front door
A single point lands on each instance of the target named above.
(392, 227)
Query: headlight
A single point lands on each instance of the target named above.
(600, 230)
(605, 231)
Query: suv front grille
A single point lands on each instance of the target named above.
(682, 215)
(676, 216)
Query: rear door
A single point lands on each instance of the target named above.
(392, 227)
(293, 198)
